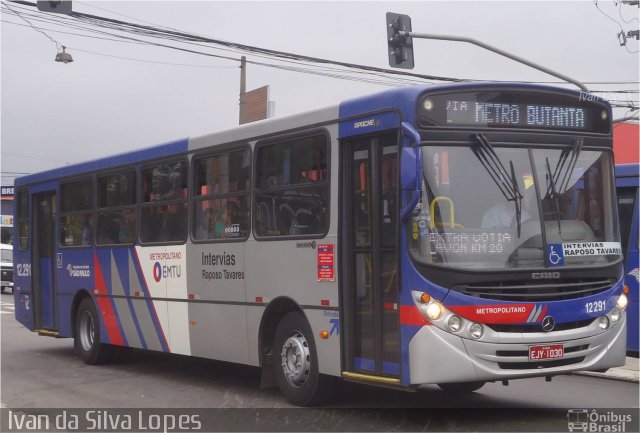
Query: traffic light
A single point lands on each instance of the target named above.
(400, 47)
(59, 7)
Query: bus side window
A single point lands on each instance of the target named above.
(22, 218)
(164, 208)
(221, 196)
(76, 213)
(116, 222)
(291, 194)
(626, 206)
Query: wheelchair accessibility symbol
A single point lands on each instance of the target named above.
(555, 254)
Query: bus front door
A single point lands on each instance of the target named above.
(369, 239)
(42, 263)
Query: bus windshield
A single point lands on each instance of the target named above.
(502, 207)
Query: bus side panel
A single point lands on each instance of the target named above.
(22, 290)
(632, 278)
(74, 271)
(283, 269)
(217, 310)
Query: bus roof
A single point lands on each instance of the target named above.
(403, 98)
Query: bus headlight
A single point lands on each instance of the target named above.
(622, 302)
(435, 310)
(615, 314)
(476, 330)
(603, 322)
(455, 323)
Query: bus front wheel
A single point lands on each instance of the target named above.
(296, 367)
(461, 387)
(87, 336)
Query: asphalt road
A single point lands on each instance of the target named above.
(43, 372)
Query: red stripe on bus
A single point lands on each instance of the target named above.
(410, 315)
(104, 304)
(498, 313)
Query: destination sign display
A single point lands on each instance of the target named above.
(515, 109)
(508, 114)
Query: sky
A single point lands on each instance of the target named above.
(53, 114)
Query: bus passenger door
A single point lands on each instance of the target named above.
(369, 233)
(42, 260)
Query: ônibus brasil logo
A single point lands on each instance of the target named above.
(160, 272)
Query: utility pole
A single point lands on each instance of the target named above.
(243, 86)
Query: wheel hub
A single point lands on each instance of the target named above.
(296, 361)
(87, 331)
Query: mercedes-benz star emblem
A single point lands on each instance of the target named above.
(548, 323)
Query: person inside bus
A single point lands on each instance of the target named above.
(207, 222)
(503, 214)
(86, 230)
(221, 222)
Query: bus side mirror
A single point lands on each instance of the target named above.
(408, 164)
(411, 177)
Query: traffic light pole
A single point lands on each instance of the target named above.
(405, 34)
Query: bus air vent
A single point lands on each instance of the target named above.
(559, 290)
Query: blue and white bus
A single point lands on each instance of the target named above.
(627, 176)
(450, 235)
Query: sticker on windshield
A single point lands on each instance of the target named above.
(556, 253)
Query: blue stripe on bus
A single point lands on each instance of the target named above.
(150, 307)
(163, 150)
(370, 365)
(121, 256)
(364, 364)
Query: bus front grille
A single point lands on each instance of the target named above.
(537, 327)
(539, 364)
(525, 292)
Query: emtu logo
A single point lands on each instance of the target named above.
(157, 272)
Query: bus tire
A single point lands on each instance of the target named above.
(296, 365)
(461, 387)
(87, 336)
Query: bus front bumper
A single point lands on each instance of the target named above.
(437, 356)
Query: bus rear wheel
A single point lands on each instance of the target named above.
(461, 387)
(296, 368)
(87, 336)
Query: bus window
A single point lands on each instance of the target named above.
(116, 209)
(22, 219)
(164, 210)
(76, 213)
(626, 206)
(292, 188)
(221, 196)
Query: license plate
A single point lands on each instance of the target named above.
(553, 351)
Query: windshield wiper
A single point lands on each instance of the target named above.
(576, 148)
(552, 193)
(498, 173)
(518, 197)
(570, 158)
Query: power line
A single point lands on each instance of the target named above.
(178, 36)
(31, 25)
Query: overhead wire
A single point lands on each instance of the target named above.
(595, 2)
(178, 36)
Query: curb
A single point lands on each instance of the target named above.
(626, 373)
